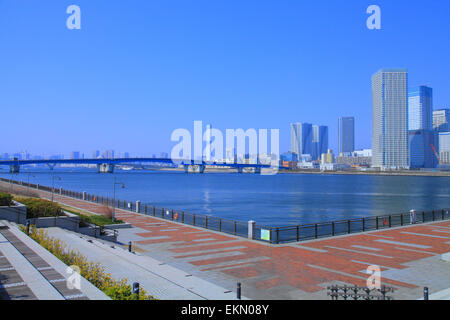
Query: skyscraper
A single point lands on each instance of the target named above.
(441, 120)
(319, 141)
(301, 138)
(346, 134)
(420, 126)
(390, 119)
(420, 108)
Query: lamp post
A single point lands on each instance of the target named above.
(53, 183)
(114, 197)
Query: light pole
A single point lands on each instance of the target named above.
(114, 197)
(53, 183)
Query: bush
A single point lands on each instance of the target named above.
(41, 208)
(5, 199)
(93, 272)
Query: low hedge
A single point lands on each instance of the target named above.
(5, 199)
(37, 208)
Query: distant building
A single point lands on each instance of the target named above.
(327, 157)
(164, 155)
(421, 136)
(75, 155)
(301, 138)
(289, 157)
(444, 147)
(346, 134)
(108, 154)
(441, 120)
(420, 108)
(390, 148)
(95, 154)
(421, 152)
(319, 141)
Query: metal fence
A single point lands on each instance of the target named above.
(275, 235)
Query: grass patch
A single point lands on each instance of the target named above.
(37, 208)
(86, 217)
(5, 199)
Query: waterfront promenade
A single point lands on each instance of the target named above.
(409, 257)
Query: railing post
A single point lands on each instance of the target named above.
(206, 222)
(401, 219)
(377, 221)
(298, 233)
(315, 231)
(348, 226)
(171, 213)
(390, 221)
(154, 211)
(251, 229)
(193, 219)
(425, 293)
(220, 225)
(363, 224)
(423, 216)
(182, 217)
(332, 228)
(278, 236)
(433, 214)
(235, 228)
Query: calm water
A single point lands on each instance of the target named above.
(283, 199)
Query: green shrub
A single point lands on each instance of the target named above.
(93, 272)
(41, 208)
(5, 199)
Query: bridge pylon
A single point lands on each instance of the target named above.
(105, 168)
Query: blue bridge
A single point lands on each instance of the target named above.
(107, 165)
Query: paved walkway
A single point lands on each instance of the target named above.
(409, 257)
(29, 272)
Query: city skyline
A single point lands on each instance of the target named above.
(130, 76)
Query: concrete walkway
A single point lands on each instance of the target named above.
(157, 278)
(29, 272)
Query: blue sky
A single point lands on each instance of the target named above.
(139, 69)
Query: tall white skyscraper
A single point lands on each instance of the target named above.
(301, 138)
(390, 148)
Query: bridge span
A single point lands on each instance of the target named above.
(105, 165)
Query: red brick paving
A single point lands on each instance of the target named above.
(290, 265)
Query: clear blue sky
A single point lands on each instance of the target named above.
(139, 69)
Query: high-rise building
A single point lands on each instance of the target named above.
(319, 141)
(301, 138)
(441, 120)
(95, 154)
(390, 148)
(444, 147)
(421, 150)
(420, 126)
(75, 155)
(108, 154)
(346, 135)
(420, 108)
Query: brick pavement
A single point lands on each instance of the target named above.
(293, 271)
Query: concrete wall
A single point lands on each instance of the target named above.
(18, 214)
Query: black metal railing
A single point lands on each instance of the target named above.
(275, 235)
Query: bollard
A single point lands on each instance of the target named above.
(129, 246)
(238, 291)
(28, 228)
(425, 293)
(136, 289)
